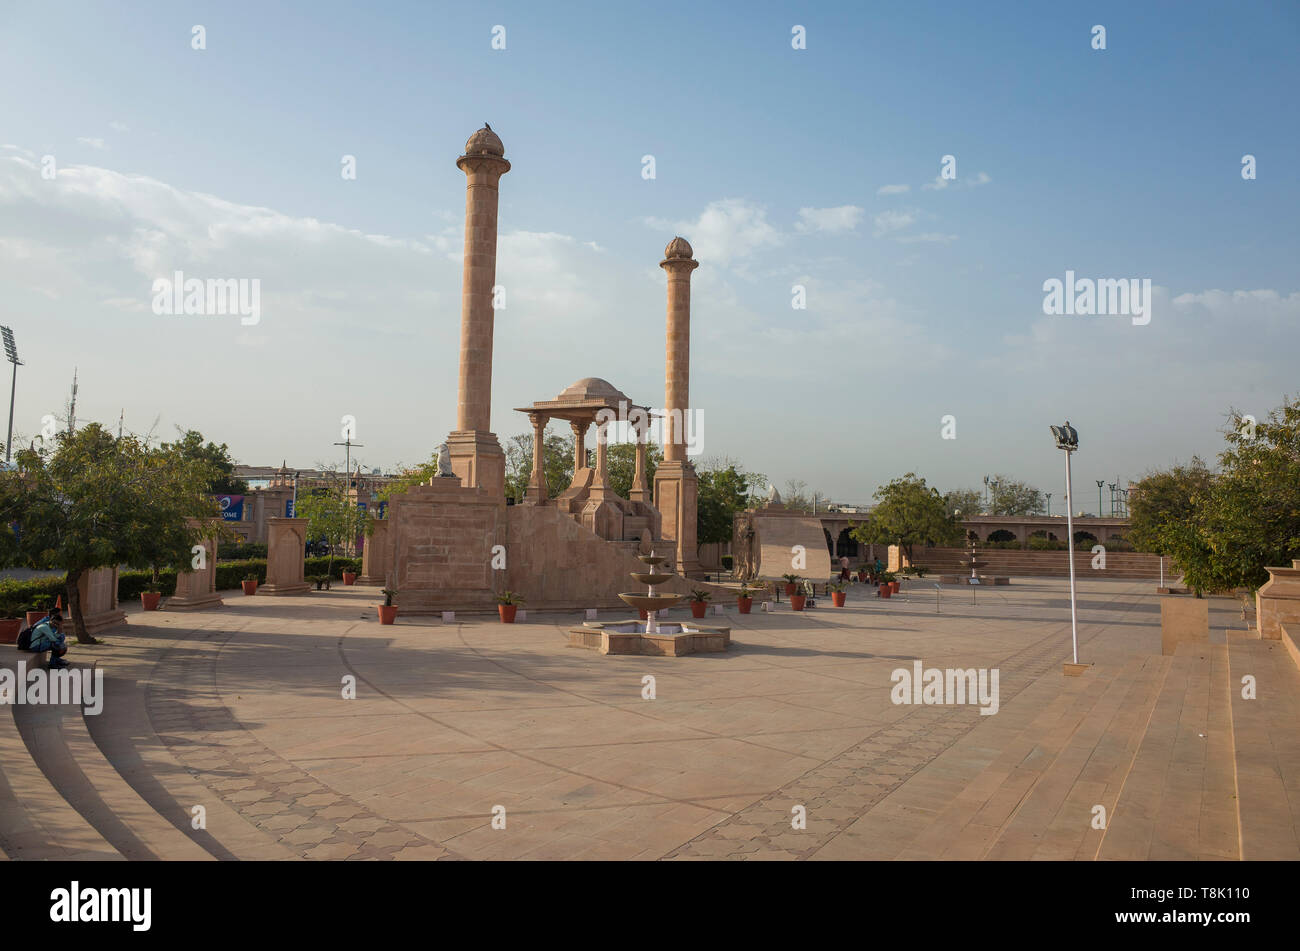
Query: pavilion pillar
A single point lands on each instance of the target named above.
(579, 446)
(600, 487)
(536, 492)
(640, 491)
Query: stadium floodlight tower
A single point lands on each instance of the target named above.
(11, 354)
(1067, 439)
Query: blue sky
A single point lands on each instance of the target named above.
(922, 302)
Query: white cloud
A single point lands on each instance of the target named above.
(118, 126)
(887, 222)
(726, 231)
(893, 189)
(98, 144)
(840, 218)
(940, 183)
(928, 236)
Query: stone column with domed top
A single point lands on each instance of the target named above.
(676, 485)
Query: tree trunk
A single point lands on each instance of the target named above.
(74, 606)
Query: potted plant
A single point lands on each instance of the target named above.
(886, 581)
(864, 572)
(387, 610)
(699, 602)
(249, 584)
(838, 593)
(349, 577)
(41, 603)
(745, 599)
(150, 597)
(507, 604)
(798, 598)
(791, 584)
(10, 623)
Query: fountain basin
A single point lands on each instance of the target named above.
(653, 578)
(652, 559)
(673, 639)
(652, 602)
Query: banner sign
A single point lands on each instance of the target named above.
(232, 507)
(288, 508)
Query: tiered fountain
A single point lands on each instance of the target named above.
(650, 602)
(670, 639)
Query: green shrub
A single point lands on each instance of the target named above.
(18, 597)
(240, 551)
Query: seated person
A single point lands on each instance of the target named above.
(47, 635)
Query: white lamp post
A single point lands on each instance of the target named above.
(1067, 439)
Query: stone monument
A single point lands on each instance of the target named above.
(286, 547)
(475, 454)
(676, 486)
(197, 589)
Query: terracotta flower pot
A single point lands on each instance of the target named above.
(643, 614)
(150, 599)
(797, 601)
(349, 577)
(862, 576)
(387, 612)
(893, 586)
(790, 589)
(507, 612)
(34, 616)
(698, 608)
(744, 604)
(9, 628)
(250, 587)
(837, 598)
(886, 590)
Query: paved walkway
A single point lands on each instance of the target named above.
(241, 711)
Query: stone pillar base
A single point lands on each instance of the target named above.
(479, 461)
(194, 604)
(676, 495)
(103, 621)
(283, 589)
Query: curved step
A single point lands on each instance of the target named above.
(163, 839)
(36, 822)
(126, 738)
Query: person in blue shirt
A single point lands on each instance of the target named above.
(47, 635)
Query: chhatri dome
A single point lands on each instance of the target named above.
(678, 248)
(485, 142)
(591, 388)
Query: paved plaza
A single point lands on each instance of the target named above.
(240, 710)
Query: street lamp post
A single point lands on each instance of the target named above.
(11, 354)
(1067, 439)
(1049, 504)
(1111, 486)
(1101, 484)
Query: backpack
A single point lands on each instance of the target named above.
(25, 639)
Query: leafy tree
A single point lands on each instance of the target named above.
(409, 477)
(968, 502)
(192, 448)
(907, 513)
(90, 500)
(1223, 530)
(519, 464)
(1015, 498)
(622, 465)
(331, 512)
(724, 489)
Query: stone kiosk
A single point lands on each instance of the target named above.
(197, 589)
(374, 554)
(286, 547)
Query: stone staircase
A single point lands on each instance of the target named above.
(1184, 768)
(103, 787)
(1132, 566)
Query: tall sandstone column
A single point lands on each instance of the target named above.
(676, 485)
(476, 454)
